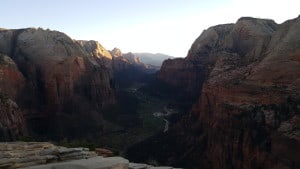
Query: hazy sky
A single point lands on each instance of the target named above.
(157, 26)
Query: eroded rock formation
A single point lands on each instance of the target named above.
(62, 82)
(127, 68)
(246, 77)
(12, 122)
(96, 50)
(44, 155)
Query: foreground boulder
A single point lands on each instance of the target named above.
(22, 154)
(44, 155)
(91, 163)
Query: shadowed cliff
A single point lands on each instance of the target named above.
(55, 82)
(246, 80)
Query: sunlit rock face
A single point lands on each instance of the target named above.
(116, 52)
(128, 69)
(96, 50)
(63, 82)
(247, 78)
(125, 61)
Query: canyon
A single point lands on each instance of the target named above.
(49, 83)
(245, 81)
(236, 95)
(58, 82)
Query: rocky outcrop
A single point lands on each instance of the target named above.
(96, 50)
(127, 68)
(44, 155)
(122, 62)
(63, 82)
(132, 58)
(104, 152)
(136, 62)
(91, 163)
(11, 79)
(116, 52)
(12, 121)
(23, 154)
(119, 62)
(247, 74)
(188, 75)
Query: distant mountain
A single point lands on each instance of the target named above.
(124, 61)
(153, 59)
(128, 68)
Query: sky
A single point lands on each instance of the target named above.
(155, 26)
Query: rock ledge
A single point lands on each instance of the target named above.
(44, 155)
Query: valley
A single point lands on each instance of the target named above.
(136, 121)
(232, 103)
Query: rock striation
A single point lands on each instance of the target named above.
(96, 50)
(54, 81)
(11, 79)
(12, 121)
(44, 155)
(22, 154)
(246, 77)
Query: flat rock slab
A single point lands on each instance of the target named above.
(162, 167)
(138, 166)
(24, 154)
(91, 163)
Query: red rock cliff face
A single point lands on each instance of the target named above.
(12, 122)
(96, 50)
(248, 110)
(11, 79)
(183, 74)
(62, 79)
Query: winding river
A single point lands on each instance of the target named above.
(164, 114)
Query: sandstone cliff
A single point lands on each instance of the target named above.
(12, 122)
(96, 50)
(119, 62)
(11, 79)
(127, 68)
(246, 76)
(123, 61)
(63, 83)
